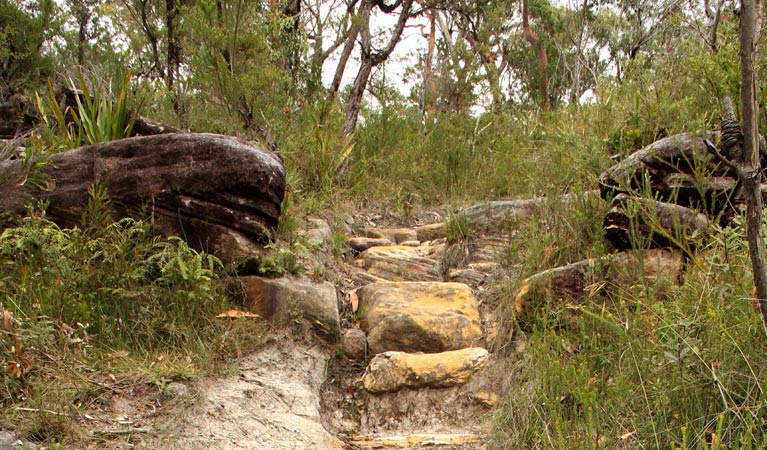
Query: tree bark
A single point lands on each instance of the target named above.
(371, 58)
(751, 164)
(543, 60)
(351, 40)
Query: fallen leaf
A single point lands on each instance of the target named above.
(237, 313)
(7, 321)
(355, 300)
(625, 436)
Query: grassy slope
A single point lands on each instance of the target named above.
(636, 367)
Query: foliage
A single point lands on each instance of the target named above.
(101, 113)
(646, 368)
(24, 29)
(110, 298)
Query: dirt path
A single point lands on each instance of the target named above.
(272, 403)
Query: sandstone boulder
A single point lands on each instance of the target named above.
(673, 166)
(430, 232)
(284, 299)
(660, 224)
(203, 187)
(573, 281)
(419, 317)
(402, 263)
(355, 344)
(392, 371)
(395, 235)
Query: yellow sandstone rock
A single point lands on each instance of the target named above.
(419, 317)
(401, 263)
(392, 371)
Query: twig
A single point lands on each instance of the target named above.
(731, 165)
(118, 432)
(56, 413)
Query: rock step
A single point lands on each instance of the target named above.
(428, 317)
(392, 371)
(418, 441)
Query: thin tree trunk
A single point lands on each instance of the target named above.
(355, 97)
(174, 59)
(83, 17)
(344, 59)
(543, 60)
(370, 59)
(429, 84)
(751, 163)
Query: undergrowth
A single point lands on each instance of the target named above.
(639, 368)
(96, 310)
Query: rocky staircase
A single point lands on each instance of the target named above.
(428, 376)
(405, 360)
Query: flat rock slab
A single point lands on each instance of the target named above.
(474, 274)
(453, 441)
(402, 263)
(271, 404)
(392, 371)
(208, 188)
(280, 300)
(419, 317)
(571, 282)
(360, 244)
(431, 231)
(395, 235)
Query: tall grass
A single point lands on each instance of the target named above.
(82, 308)
(642, 368)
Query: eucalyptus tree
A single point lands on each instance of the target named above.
(485, 25)
(328, 21)
(25, 30)
(374, 50)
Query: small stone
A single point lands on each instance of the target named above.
(176, 389)
(355, 344)
(392, 371)
(485, 398)
(318, 232)
(431, 231)
(360, 244)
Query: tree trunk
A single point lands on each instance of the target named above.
(751, 166)
(429, 84)
(355, 97)
(338, 76)
(292, 11)
(370, 58)
(174, 59)
(543, 60)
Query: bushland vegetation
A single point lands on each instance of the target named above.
(505, 100)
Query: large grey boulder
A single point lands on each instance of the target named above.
(217, 192)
